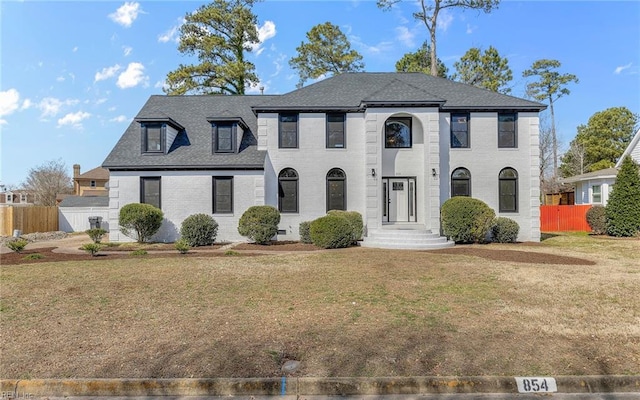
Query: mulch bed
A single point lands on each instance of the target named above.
(283, 245)
(513, 255)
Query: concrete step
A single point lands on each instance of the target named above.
(405, 239)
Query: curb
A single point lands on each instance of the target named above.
(305, 386)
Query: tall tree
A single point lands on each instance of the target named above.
(47, 181)
(484, 69)
(219, 34)
(428, 15)
(603, 140)
(623, 208)
(327, 51)
(550, 86)
(420, 61)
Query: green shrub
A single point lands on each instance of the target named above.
(139, 252)
(231, 253)
(331, 231)
(92, 248)
(597, 219)
(34, 256)
(465, 219)
(140, 221)
(182, 246)
(17, 245)
(305, 234)
(96, 234)
(259, 223)
(355, 220)
(505, 230)
(623, 208)
(199, 230)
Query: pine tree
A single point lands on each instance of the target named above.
(623, 207)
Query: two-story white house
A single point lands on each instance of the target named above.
(392, 146)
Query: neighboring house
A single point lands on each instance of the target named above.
(91, 183)
(16, 198)
(595, 187)
(392, 146)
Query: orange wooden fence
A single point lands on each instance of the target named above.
(564, 218)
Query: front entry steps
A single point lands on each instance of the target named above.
(407, 238)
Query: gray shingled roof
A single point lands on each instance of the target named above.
(347, 92)
(192, 147)
(357, 90)
(85, 201)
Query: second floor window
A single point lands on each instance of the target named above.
(507, 134)
(152, 138)
(223, 138)
(460, 131)
(398, 133)
(288, 131)
(335, 131)
(92, 184)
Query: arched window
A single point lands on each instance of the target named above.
(508, 190)
(336, 190)
(397, 133)
(461, 182)
(288, 191)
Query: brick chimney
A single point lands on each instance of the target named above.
(76, 170)
(76, 183)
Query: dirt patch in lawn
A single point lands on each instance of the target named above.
(514, 255)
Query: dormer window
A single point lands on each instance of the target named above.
(153, 138)
(226, 132)
(224, 138)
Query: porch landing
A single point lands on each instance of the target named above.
(406, 237)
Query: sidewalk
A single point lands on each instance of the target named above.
(307, 386)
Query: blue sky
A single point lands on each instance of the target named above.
(73, 74)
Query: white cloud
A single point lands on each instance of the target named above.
(265, 32)
(170, 36)
(622, 68)
(445, 19)
(471, 29)
(9, 102)
(26, 104)
(126, 14)
(75, 49)
(132, 76)
(119, 118)
(106, 73)
(101, 101)
(60, 79)
(73, 119)
(406, 36)
(375, 49)
(127, 50)
(50, 106)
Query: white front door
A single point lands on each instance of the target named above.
(399, 200)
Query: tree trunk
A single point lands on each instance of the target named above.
(554, 140)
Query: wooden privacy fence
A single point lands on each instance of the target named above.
(28, 219)
(564, 218)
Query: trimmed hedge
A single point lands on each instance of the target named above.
(331, 231)
(140, 221)
(466, 220)
(623, 207)
(355, 220)
(305, 233)
(259, 223)
(597, 219)
(505, 230)
(199, 230)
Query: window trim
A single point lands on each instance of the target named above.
(215, 210)
(297, 132)
(501, 179)
(403, 120)
(593, 194)
(145, 137)
(468, 130)
(297, 190)
(142, 192)
(342, 179)
(468, 180)
(515, 130)
(344, 130)
(215, 128)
